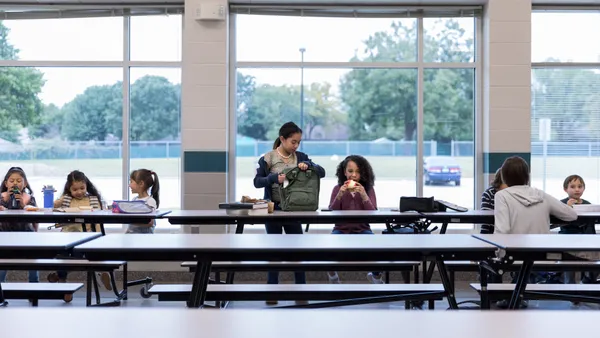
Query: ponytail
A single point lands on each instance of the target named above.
(277, 143)
(155, 189)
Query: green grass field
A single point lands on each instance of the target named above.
(385, 167)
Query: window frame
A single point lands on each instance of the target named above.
(420, 65)
(126, 64)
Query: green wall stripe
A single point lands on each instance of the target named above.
(493, 161)
(204, 161)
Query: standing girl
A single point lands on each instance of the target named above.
(144, 183)
(17, 194)
(269, 176)
(354, 192)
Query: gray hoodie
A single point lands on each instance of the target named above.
(522, 209)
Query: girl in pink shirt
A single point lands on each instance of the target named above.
(354, 192)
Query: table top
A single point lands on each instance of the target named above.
(97, 216)
(251, 247)
(542, 243)
(40, 245)
(314, 217)
(187, 323)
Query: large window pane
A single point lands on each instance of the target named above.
(156, 38)
(155, 128)
(369, 112)
(55, 120)
(325, 39)
(565, 37)
(86, 39)
(567, 101)
(449, 39)
(448, 135)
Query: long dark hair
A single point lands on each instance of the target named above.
(78, 176)
(367, 177)
(497, 179)
(150, 180)
(16, 170)
(286, 131)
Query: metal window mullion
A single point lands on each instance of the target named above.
(126, 111)
(232, 113)
(352, 65)
(420, 110)
(478, 177)
(588, 65)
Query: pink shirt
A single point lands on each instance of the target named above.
(349, 202)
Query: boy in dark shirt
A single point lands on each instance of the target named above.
(574, 186)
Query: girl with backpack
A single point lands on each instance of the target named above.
(269, 176)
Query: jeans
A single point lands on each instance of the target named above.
(364, 232)
(34, 276)
(290, 229)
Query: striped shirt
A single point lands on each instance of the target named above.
(487, 203)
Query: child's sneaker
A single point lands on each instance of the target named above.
(105, 279)
(335, 279)
(374, 279)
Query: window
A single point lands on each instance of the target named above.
(561, 36)
(156, 38)
(565, 110)
(67, 112)
(324, 39)
(360, 95)
(85, 39)
(155, 128)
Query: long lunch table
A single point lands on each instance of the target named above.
(201, 217)
(84, 217)
(206, 249)
(39, 245)
(531, 248)
(180, 323)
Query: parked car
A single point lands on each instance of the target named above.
(441, 169)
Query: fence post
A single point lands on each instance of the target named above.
(452, 148)
(168, 150)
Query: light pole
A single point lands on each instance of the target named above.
(302, 50)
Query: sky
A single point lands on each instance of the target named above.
(156, 38)
(159, 38)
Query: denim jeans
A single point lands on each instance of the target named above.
(290, 229)
(364, 232)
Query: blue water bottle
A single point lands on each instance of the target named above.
(48, 196)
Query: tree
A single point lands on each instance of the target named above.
(155, 110)
(19, 88)
(50, 124)
(262, 109)
(383, 103)
(92, 114)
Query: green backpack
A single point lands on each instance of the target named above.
(302, 192)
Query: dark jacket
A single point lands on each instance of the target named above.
(577, 227)
(265, 179)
